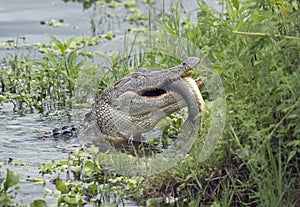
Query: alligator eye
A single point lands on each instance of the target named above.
(151, 93)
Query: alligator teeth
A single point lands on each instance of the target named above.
(152, 93)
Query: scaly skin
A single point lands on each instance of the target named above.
(136, 103)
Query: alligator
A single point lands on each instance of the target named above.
(137, 102)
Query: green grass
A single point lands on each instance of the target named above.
(256, 49)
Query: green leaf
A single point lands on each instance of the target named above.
(88, 169)
(92, 189)
(229, 8)
(61, 185)
(12, 178)
(236, 4)
(129, 4)
(58, 43)
(38, 203)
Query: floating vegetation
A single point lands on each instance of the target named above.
(55, 23)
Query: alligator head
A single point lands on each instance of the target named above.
(137, 102)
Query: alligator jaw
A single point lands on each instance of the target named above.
(137, 102)
(152, 93)
(161, 91)
(183, 71)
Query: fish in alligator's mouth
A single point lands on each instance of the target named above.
(137, 102)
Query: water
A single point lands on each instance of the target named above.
(20, 19)
(20, 23)
(20, 137)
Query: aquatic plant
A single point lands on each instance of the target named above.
(49, 80)
(11, 180)
(87, 181)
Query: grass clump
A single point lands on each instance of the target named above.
(255, 47)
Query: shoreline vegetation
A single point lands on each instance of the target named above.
(254, 46)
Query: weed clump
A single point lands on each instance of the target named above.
(255, 47)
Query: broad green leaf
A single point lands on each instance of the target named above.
(73, 200)
(61, 185)
(89, 165)
(88, 169)
(38, 203)
(12, 178)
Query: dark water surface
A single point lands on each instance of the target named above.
(20, 23)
